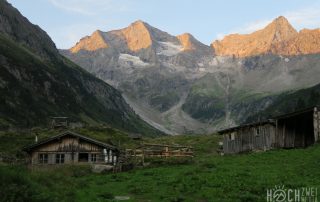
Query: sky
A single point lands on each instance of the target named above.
(67, 21)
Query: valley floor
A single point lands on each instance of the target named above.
(208, 177)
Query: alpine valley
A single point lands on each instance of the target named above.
(179, 85)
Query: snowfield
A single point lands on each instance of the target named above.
(169, 49)
(136, 61)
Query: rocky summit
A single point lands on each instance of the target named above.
(278, 38)
(180, 85)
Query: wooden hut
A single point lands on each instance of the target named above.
(249, 137)
(135, 136)
(295, 130)
(59, 122)
(71, 148)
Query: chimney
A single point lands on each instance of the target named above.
(36, 138)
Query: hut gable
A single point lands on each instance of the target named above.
(70, 147)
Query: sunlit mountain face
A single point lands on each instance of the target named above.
(183, 86)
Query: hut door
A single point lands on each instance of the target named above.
(83, 157)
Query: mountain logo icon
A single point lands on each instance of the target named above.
(279, 194)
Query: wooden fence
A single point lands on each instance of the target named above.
(11, 159)
(159, 150)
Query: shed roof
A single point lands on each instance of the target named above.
(283, 116)
(44, 141)
(270, 121)
(298, 112)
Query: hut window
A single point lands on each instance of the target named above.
(93, 157)
(258, 131)
(83, 157)
(59, 158)
(43, 158)
(232, 136)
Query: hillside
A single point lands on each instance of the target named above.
(289, 102)
(36, 82)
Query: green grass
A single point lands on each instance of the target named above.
(207, 177)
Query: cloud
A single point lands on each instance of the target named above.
(90, 7)
(254, 26)
(305, 18)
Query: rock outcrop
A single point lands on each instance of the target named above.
(188, 41)
(90, 43)
(306, 42)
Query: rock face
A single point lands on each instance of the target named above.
(306, 42)
(189, 43)
(180, 85)
(36, 82)
(278, 38)
(92, 43)
(137, 36)
(257, 43)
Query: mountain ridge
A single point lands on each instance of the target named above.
(278, 37)
(137, 36)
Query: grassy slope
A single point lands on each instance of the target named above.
(290, 102)
(207, 99)
(208, 177)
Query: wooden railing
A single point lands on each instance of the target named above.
(158, 150)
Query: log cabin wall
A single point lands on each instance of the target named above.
(71, 150)
(248, 138)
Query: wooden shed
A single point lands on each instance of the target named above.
(298, 129)
(295, 130)
(59, 122)
(71, 148)
(249, 137)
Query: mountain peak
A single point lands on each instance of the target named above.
(138, 22)
(280, 29)
(256, 43)
(91, 43)
(187, 41)
(281, 20)
(137, 36)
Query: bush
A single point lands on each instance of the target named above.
(106, 195)
(16, 186)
